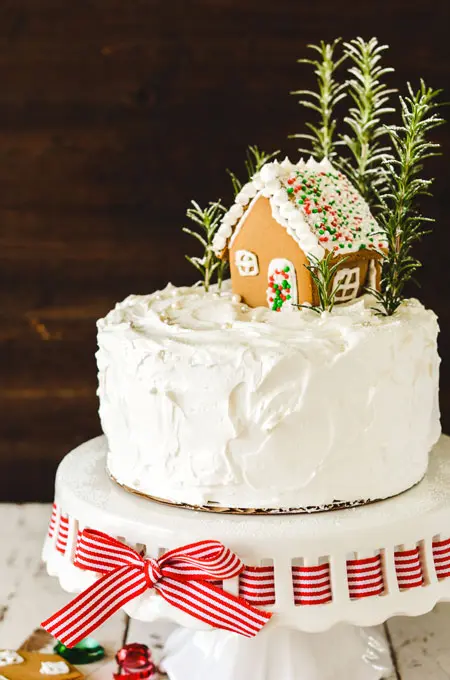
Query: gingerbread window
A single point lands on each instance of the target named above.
(347, 282)
(247, 263)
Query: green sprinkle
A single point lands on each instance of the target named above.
(288, 297)
(290, 190)
(341, 245)
(362, 246)
(286, 269)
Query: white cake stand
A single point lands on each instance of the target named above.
(318, 642)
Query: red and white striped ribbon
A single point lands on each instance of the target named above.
(183, 577)
(408, 568)
(365, 577)
(441, 557)
(52, 523)
(257, 585)
(63, 533)
(312, 584)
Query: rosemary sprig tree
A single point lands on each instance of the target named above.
(208, 220)
(255, 159)
(399, 216)
(370, 96)
(321, 137)
(323, 273)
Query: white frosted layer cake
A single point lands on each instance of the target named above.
(208, 402)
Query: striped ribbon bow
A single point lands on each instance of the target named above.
(183, 577)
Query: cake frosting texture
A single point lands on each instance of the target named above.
(206, 401)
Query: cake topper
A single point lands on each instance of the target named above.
(287, 215)
(398, 213)
(342, 224)
(370, 104)
(322, 135)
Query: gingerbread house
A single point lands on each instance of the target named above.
(285, 217)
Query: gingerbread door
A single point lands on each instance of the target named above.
(282, 285)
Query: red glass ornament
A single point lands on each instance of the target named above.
(135, 662)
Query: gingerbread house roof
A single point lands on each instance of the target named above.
(317, 204)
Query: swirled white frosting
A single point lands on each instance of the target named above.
(205, 400)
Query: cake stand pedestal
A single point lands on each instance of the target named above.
(405, 536)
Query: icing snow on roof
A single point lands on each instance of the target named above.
(316, 203)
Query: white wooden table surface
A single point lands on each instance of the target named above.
(420, 646)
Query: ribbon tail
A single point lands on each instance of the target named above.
(94, 606)
(213, 606)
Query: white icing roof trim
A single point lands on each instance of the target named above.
(268, 182)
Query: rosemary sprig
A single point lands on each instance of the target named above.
(255, 159)
(399, 216)
(208, 220)
(370, 97)
(323, 273)
(322, 135)
(223, 266)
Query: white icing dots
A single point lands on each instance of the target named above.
(54, 668)
(314, 202)
(246, 194)
(9, 658)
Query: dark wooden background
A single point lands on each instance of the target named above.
(113, 115)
